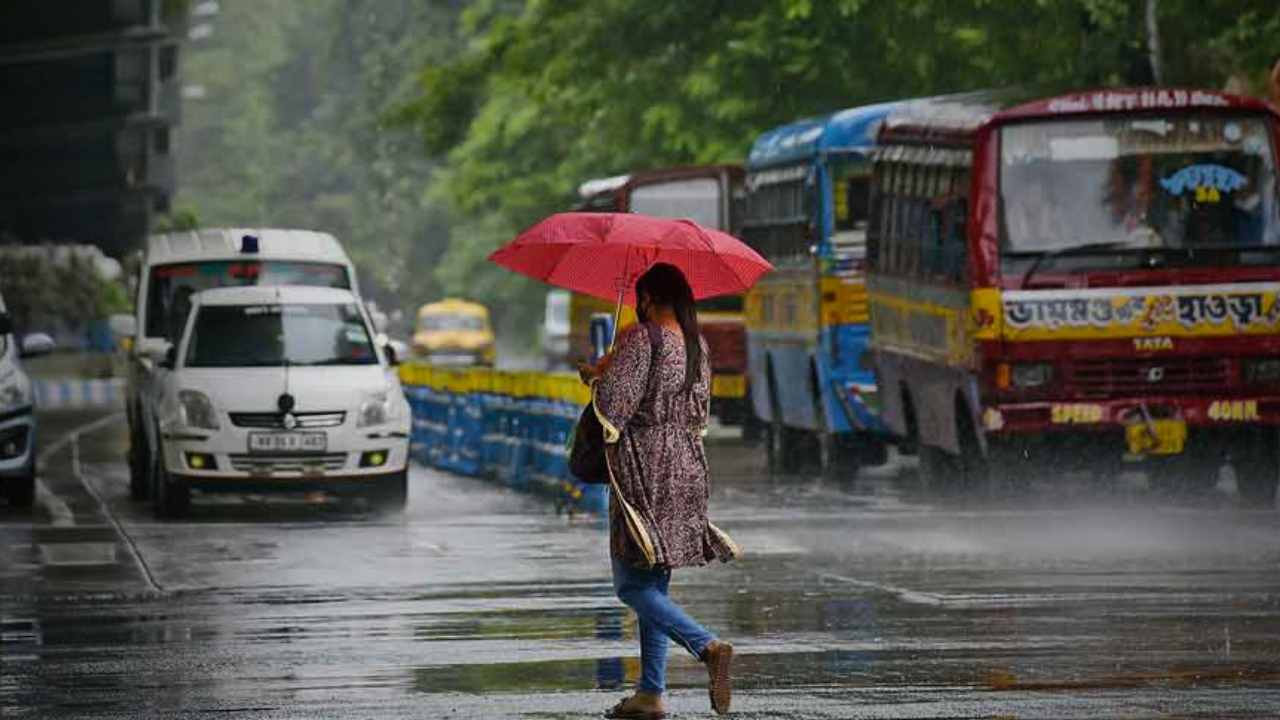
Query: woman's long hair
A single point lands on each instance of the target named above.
(665, 285)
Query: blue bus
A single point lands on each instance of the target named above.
(805, 208)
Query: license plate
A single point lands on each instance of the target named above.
(728, 386)
(1160, 437)
(297, 442)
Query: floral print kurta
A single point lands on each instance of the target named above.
(653, 436)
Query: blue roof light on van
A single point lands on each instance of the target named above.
(249, 244)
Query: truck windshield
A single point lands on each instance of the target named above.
(171, 286)
(279, 334)
(1189, 188)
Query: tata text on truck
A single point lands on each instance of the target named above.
(1081, 281)
(705, 194)
(178, 265)
(806, 212)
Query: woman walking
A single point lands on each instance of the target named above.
(652, 396)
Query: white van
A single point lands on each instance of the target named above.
(280, 389)
(17, 413)
(178, 265)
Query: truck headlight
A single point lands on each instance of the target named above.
(197, 410)
(1262, 370)
(13, 396)
(1032, 375)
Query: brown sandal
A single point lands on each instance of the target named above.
(719, 657)
(622, 711)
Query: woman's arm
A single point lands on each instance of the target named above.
(621, 384)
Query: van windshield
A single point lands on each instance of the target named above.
(278, 334)
(171, 286)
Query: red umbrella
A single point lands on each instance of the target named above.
(602, 254)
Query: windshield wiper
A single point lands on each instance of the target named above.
(1085, 249)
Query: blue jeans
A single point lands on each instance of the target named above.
(645, 592)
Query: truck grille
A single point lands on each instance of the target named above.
(1128, 376)
(275, 420)
(288, 463)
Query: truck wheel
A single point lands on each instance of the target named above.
(172, 496)
(975, 468)
(390, 493)
(1257, 468)
(21, 491)
(780, 446)
(780, 440)
(830, 460)
(866, 449)
(939, 470)
(752, 429)
(1194, 472)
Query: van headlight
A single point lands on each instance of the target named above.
(14, 395)
(197, 410)
(379, 409)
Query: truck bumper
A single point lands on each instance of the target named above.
(1155, 426)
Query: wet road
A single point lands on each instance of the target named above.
(860, 599)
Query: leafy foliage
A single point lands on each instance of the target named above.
(547, 94)
(292, 130)
(427, 134)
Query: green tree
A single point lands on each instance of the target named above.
(547, 94)
(291, 130)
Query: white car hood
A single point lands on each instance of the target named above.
(314, 389)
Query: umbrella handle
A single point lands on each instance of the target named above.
(617, 318)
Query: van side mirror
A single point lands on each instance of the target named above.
(123, 325)
(6, 323)
(153, 349)
(35, 345)
(393, 358)
(170, 359)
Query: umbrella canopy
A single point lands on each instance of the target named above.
(602, 254)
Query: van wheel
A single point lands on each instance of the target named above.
(21, 491)
(1257, 469)
(172, 496)
(390, 493)
(139, 482)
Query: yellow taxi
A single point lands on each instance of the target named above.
(454, 332)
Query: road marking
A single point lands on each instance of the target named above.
(916, 597)
(129, 544)
(58, 510)
(74, 554)
(88, 553)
